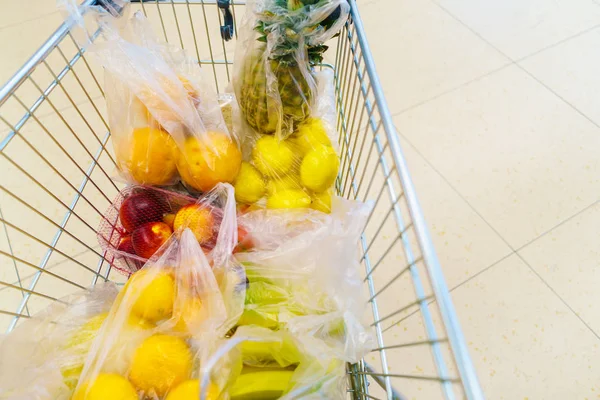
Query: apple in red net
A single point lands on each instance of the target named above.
(126, 245)
(140, 208)
(148, 238)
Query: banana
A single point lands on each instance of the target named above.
(261, 385)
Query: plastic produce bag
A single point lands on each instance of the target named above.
(167, 314)
(298, 171)
(267, 365)
(280, 42)
(165, 119)
(43, 357)
(142, 218)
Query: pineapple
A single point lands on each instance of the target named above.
(277, 83)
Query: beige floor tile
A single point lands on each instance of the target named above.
(465, 244)
(571, 70)
(421, 60)
(500, 141)
(526, 344)
(521, 27)
(18, 12)
(567, 259)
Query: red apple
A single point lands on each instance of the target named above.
(126, 245)
(140, 208)
(148, 238)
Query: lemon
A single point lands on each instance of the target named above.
(188, 315)
(290, 198)
(287, 182)
(319, 169)
(190, 390)
(321, 202)
(249, 185)
(153, 293)
(310, 135)
(159, 364)
(273, 157)
(208, 160)
(106, 386)
(148, 155)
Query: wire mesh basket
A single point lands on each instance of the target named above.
(57, 180)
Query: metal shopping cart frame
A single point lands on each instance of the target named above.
(372, 167)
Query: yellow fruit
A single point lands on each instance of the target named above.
(208, 160)
(249, 184)
(106, 386)
(188, 315)
(264, 385)
(321, 202)
(159, 364)
(291, 181)
(199, 219)
(152, 293)
(190, 390)
(291, 198)
(310, 135)
(273, 157)
(319, 169)
(149, 155)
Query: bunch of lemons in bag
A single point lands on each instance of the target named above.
(158, 360)
(297, 172)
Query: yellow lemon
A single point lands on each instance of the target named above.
(106, 386)
(249, 185)
(310, 135)
(153, 293)
(319, 169)
(190, 390)
(159, 364)
(321, 202)
(291, 198)
(291, 181)
(188, 315)
(206, 161)
(273, 157)
(149, 155)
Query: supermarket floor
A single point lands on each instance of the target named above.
(498, 110)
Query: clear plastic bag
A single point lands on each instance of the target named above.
(294, 172)
(280, 42)
(168, 313)
(165, 119)
(43, 357)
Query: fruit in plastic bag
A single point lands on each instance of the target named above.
(190, 390)
(106, 386)
(310, 134)
(154, 294)
(272, 157)
(149, 156)
(319, 168)
(291, 198)
(199, 219)
(160, 363)
(249, 185)
(149, 237)
(321, 202)
(205, 162)
(263, 385)
(280, 42)
(139, 208)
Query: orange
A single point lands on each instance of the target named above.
(198, 219)
(149, 156)
(208, 160)
(168, 98)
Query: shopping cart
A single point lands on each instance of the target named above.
(56, 180)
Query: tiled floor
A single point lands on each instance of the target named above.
(497, 104)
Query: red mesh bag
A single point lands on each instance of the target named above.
(142, 218)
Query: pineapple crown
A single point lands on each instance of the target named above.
(289, 25)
